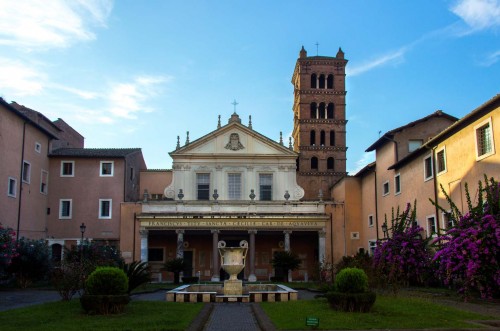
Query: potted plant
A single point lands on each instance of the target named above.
(176, 266)
(283, 261)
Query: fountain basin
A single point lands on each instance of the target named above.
(215, 293)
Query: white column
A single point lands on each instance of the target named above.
(144, 245)
(252, 277)
(321, 246)
(180, 244)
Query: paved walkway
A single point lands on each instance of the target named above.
(232, 317)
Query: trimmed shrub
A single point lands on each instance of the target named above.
(351, 292)
(351, 302)
(352, 280)
(107, 281)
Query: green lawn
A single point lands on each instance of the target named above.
(388, 313)
(140, 315)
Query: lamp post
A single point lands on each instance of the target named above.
(83, 227)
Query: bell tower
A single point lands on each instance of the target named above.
(319, 129)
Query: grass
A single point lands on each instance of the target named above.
(388, 313)
(139, 315)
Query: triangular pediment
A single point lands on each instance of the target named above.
(233, 140)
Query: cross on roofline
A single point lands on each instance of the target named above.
(234, 103)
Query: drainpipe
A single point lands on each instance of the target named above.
(434, 181)
(345, 239)
(20, 185)
(376, 202)
(133, 237)
(331, 236)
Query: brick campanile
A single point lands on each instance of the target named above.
(319, 129)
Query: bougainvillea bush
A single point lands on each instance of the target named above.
(7, 248)
(469, 252)
(403, 258)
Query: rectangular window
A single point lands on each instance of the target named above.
(26, 172)
(370, 221)
(12, 187)
(105, 208)
(106, 168)
(234, 186)
(266, 187)
(132, 173)
(431, 226)
(397, 184)
(65, 208)
(372, 244)
(203, 186)
(44, 182)
(428, 173)
(38, 147)
(67, 168)
(441, 161)
(484, 140)
(414, 144)
(385, 188)
(448, 221)
(155, 255)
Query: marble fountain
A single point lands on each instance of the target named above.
(233, 289)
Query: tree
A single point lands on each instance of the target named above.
(176, 266)
(403, 257)
(469, 252)
(138, 273)
(32, 262)
(283, 261)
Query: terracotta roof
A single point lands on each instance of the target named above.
(389, 135)
(26, 118)
(367, 169)
(486, 107)
(95, 152)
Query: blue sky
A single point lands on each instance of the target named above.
(139, 73)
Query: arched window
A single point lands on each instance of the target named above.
(297, 163)
(322, 110)
(313, 138)
(321, 81)
(314, 110)
(314, 79)
(329, 163)
(332, 138)
(329, 81)
(322, 138)
(314, 163)
(329, 110)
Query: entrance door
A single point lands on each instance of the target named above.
(188, 263)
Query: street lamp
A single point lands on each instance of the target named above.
(82, 230)
(384, 230)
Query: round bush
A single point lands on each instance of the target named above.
(351, 280)
(107, 281)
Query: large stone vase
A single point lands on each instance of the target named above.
(233, 261)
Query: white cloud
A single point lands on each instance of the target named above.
(33, 24)
(491, 59)
(87, 95)
(127, 99)
(478, 14)
(394, 57)
(20, 78)
(366, 159)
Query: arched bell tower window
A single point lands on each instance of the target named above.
(313, 138)
(314, 163)
(322, 110)
(297, 163)
(314, 110)
(332, 138)
(322, 138)
(329, 81)
(329, 111)
(314, 81)
(322, 81)
(329, 163)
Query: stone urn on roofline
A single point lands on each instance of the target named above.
(233, 261)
